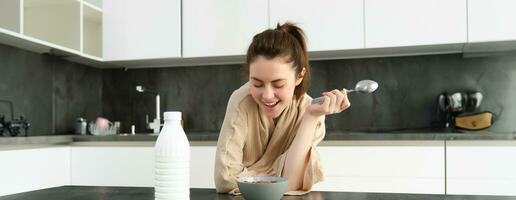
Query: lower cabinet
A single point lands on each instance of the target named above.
(383, 166)
(355, 166)
(481, 167)
(133, 166)
(112, 166)
(429, 167)
(23, 170)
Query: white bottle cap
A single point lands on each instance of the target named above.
(172, 115)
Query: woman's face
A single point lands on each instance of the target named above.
(272, 84)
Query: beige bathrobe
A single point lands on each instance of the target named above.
(251, 145)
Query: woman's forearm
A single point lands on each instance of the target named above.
(297, 156)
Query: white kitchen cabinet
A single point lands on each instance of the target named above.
(92, 30)
(355, 166)
(481, 167)
(491, 26)
(221, 27)
(112, 166)
(383, 166)
(133, 166)
(68, 28)
(135, 30)
(10, 15)
(328, 25)
(202, 166)
(23, 170)
(396, 23)
(56, 21)
(96, 3)
(490, 20)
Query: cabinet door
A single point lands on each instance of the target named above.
(34, 169)
(134, 30)
(221, 27)
(481, 167)
(490, 20)
(328, 25)
(55, 22)
(113, 166)
(134, 166)
(384, 166)
(414, 22)
(10, 15)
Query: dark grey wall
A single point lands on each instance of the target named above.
(406, 99)
(409, 86)
(50, 92)
(201, 93)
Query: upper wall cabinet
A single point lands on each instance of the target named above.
(135, 30)
(92, 30)
(490, 20)
(221, 27)
(328, 25)
(95, 3)
(68, 28)
(395, 23)
(491, 26)
(10, 15)
(56, 21)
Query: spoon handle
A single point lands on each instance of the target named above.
(321, 99)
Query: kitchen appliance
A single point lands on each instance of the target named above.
(459, 102)
(476, 121)
(16, 125)
(460, 110)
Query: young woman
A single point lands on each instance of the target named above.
(271, 128)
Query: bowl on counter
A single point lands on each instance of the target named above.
(101, 131)
(262, 187)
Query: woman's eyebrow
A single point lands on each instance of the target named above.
(277, 80)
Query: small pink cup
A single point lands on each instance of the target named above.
(102, 122)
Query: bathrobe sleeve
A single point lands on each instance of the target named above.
(313, 171)
(228, 158)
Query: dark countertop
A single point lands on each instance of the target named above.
(213, 136)
(147, 193)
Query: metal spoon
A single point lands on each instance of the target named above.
(363, 86)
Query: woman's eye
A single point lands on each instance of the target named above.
(279, 86)
(258, 85)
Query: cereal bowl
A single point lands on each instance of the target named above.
(262, 187)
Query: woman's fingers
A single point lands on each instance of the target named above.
(335, 101)
(332, 104)
(338, 103)
(345, 101)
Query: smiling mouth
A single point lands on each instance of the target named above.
(270, 105)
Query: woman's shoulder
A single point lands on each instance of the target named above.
(241, 97)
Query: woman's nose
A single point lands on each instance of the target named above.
(268, 93)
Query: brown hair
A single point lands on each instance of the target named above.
(287, 41)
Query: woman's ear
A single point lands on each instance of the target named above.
(300, 76)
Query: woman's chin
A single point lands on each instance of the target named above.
(272, 113)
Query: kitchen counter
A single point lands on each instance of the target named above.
(147, 193)
(211, 137)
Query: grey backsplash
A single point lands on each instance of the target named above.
(50, 92)
(405, 100)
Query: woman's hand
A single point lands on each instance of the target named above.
(235, 192)
(335, 101)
